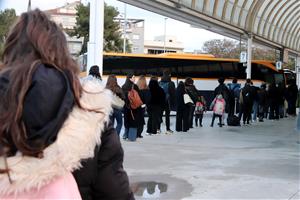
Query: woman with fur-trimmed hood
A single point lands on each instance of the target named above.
(50, 123)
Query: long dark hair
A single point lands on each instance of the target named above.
(180, 88)
(33, 40)
(112, 84)
(128, 83)
(94, 71)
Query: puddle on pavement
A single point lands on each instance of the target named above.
(159, 187)
(150, 189)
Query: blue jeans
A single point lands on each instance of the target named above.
(298, 122)
(117, 114)
(130, 134)
(254, 109)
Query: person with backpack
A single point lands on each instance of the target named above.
(168, 87)
(218, 107)
(234, 94)
(199, 110)
(133, 113)
(222, 89)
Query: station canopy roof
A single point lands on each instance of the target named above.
(273, 22)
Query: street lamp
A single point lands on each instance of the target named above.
(29, 6)
(124, 29)
(165, 28)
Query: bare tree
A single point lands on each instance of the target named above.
(231, 49)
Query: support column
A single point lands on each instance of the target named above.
(124, 28)
(95, 44)
(249, 56)
(297, 70)
(285, 56)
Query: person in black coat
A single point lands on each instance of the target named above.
(262, 102)
(292, 91)
(103, 176)
(182, 114)
(247, 101)
(281, 99)
(273, 101)
(155, 107)
(193, 93)
(169, 89)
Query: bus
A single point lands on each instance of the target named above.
(290, 76)
(204, 69)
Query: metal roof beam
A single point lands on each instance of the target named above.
(293, 28)
(252, 13)
(287, 23)
(268, 18)
(216, 19)
(275, 20)
(285, 17)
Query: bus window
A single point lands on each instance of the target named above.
(195, 70)
(214, 70)
(269, 78)
(279, 78)
(227, 67)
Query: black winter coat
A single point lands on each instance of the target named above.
(262, 97)
(145, 96)
(179, 99)
(157, 97)
(103, 177)
(247, 93)
(171, 92)
(193, 92)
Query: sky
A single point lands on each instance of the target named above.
(192, 38)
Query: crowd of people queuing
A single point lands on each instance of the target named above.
(231, 101)
(58, 137)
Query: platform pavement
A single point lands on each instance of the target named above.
(258, 161)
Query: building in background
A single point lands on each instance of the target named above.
(134, 33)
(65, 17)
(163, 44)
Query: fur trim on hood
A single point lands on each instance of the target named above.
(76, 140)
